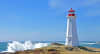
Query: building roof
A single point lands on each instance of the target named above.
(71, 10)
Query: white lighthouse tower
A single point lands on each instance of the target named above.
(71, 35)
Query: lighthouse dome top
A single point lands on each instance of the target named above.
(71, 10)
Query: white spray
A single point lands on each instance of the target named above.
(28, 45)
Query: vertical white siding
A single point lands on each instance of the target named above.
(71, 35)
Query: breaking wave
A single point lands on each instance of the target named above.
(98, 43)
(27, 45)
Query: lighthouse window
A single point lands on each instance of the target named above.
(70, 20)
(71, 12)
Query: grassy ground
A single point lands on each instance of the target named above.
(55, 49)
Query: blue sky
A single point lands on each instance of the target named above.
(39, 20)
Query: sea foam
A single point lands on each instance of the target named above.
(27, 45)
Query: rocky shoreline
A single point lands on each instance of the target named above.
(6, 53)
(56, 48)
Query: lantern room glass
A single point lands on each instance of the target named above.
(71, 12)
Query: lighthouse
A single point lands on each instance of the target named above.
(71, 35)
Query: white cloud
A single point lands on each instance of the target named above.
(63, 5)
(72, 3)
(91, 2)
(56, 3)
(90, 6)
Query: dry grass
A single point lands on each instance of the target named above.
(54, 49)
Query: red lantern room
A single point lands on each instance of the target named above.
(71, 12)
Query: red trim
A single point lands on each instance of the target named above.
(71, 14)
(71, 10)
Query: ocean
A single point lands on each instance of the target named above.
(13, 46)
